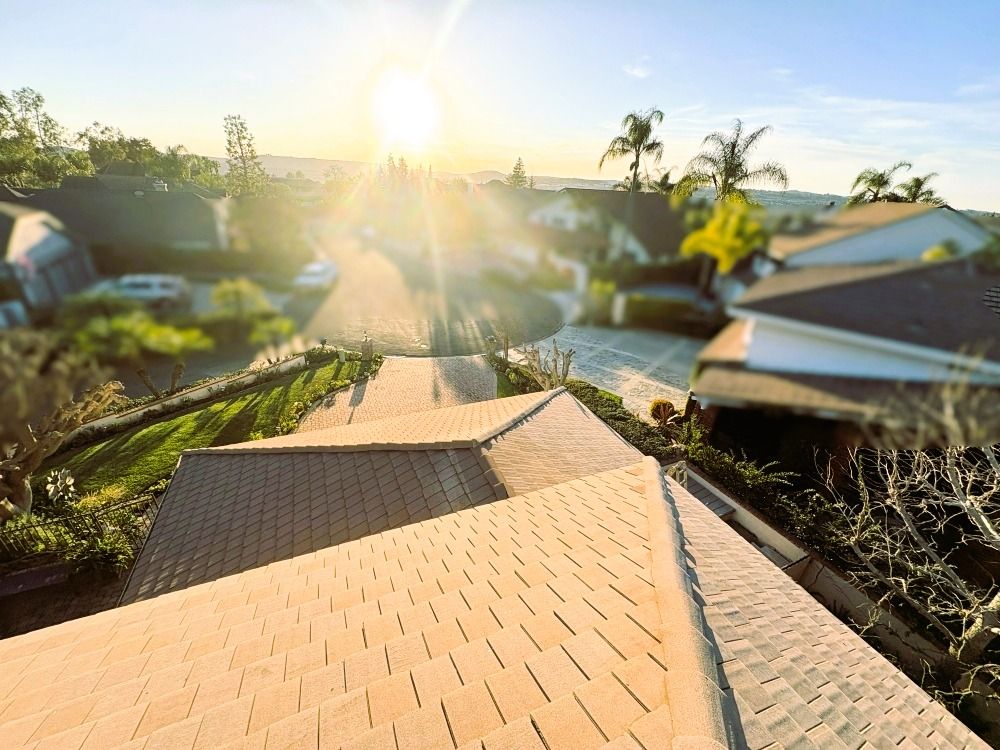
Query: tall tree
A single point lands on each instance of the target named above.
(916, 190)
(725, 166)
(636, 141)
(106, 144)
(246, 174)
(517, 178)
(33, 148)
(874, 185)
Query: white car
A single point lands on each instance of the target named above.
(316, 276)
(157, 290)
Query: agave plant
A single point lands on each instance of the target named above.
(60, 487)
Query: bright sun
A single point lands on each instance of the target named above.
(405, 110)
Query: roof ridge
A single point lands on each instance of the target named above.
(694, 692)
(353, 448)
(530, 409)
(260, 447)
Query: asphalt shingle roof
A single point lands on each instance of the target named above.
(846, 223)
(561, 616)
(934, 305)
(797, 676)
(609, 610)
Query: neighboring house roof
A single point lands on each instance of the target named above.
(846, 222)
(609, 608)
(931, 305)
(8, 193)
(648, 216)
(11, 214)
(120, 218)
(852, 399)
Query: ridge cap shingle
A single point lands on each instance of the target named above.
(694, 693)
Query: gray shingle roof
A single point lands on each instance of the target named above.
(935, 305)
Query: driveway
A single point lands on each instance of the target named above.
(405, 385)
(413, 303)
(637, 365)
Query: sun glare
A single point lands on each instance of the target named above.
(405, 110)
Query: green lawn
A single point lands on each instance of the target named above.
(146, 454)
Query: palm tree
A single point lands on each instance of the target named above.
(662, 184)
(637, 142)
(875, 185)
(725, 166)
(915, 190)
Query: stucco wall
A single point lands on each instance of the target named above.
(774, 347)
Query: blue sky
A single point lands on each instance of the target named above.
(845, 85)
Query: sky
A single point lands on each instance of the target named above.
(471, 85)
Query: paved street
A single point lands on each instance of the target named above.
(637, 365)
(405, 385)
(414, 304)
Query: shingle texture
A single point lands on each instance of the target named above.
(934, 305)
(226, 513)
(609, 610)
(529, 622)
(846, 223)
(797, 676)
(561, 440)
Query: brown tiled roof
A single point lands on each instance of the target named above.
(847, 222)
(559, 619)
(935, 305)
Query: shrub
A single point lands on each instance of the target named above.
(107, 495)
(662, 410)
(676, 316)
(625, 274)
(110, 552)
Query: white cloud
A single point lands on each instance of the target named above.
(638, 69)
(980, 88)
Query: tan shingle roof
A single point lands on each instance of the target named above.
(454, 426)
(797, 676)
(560, 441)
(612, 608)
(847, 222)
(562, 616)
(238, 507)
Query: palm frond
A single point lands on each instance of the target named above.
(751, 140)
(769, 171)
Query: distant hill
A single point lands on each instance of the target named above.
(779, 201)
